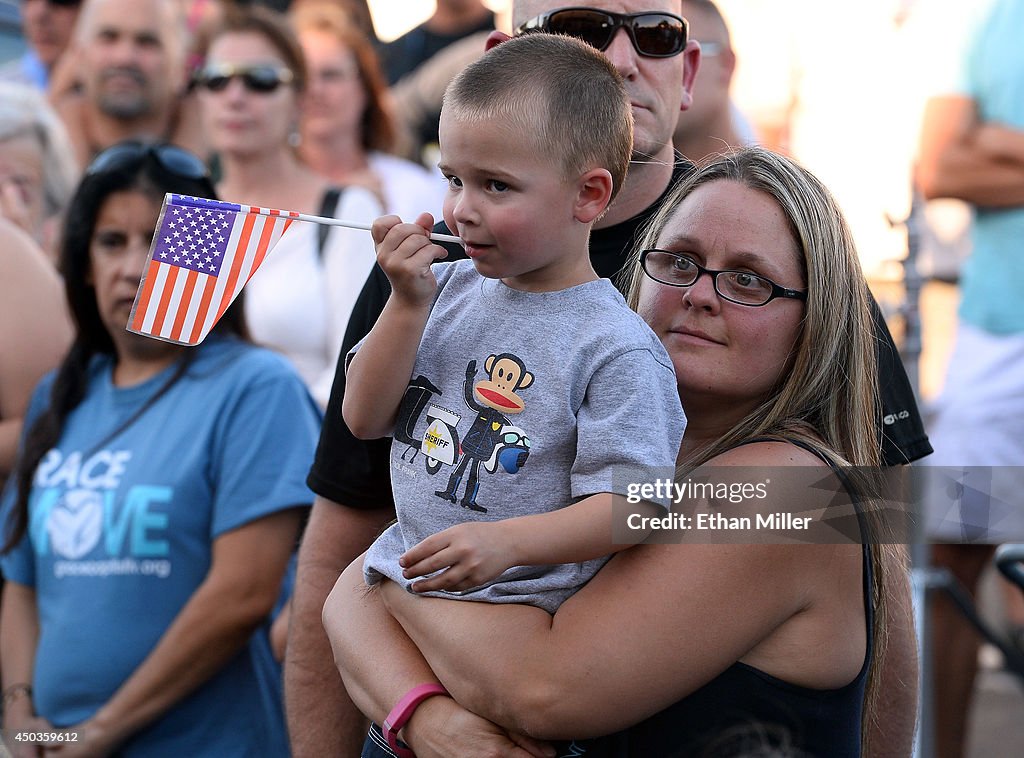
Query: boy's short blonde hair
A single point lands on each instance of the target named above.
(564, 94)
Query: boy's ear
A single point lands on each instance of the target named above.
(494, 39)
(595, 192)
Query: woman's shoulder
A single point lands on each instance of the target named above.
(231, 374)
(236, 360)
(29, 283)
(354, 198)
(769, 452)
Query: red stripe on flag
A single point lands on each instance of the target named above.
(204, 308)
(238, 255)
(142, 306)
(186, 299)
(165, 299)
(264, 245)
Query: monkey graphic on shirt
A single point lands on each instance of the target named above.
(491, 398)
(491, 440)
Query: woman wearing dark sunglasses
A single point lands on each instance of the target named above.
(299, 301)
(155, 504)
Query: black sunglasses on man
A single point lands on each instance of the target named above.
(653, 34)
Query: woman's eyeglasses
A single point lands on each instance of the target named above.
(170, 158)
(740, 287)
(261, 79)
(655, 35)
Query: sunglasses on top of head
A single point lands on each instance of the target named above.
(653, 34)
(260, 78)
(170, 158)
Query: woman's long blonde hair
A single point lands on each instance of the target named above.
(830, 389)
(828, 395)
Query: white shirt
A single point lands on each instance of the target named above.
(409, 189)
(299, 304)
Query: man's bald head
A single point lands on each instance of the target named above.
(132, 55)
(524, 10)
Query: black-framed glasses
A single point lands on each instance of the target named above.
(741, 287)
(64, 3)
(260, 78)
(655, 35)
(170, 158)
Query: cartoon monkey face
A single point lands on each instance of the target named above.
(505, 374)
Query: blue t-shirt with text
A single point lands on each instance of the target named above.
(121, 532)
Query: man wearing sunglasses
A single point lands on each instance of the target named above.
(647, 42)
(131, 71)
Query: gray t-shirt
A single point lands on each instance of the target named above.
(523, 403)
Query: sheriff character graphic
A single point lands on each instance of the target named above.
(493, 399)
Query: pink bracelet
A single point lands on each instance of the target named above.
(402, 712)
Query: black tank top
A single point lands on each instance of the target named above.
(743, 708)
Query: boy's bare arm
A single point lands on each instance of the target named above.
(379, 372)
(474, 553)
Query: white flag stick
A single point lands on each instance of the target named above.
(437, 237)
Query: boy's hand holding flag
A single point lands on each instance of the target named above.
(203, 253)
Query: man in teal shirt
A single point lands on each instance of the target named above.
(972, 149)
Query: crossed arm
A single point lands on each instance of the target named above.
(965, 158)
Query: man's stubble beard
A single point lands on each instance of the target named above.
(125, 109)
(126, 106)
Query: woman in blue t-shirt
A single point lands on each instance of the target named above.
(153, 509)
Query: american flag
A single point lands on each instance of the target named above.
(203, 253)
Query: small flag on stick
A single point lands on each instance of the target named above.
(203, 253)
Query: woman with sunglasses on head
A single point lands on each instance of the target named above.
(299, 301)
(749, 276)
(154, 507)
(347, 128)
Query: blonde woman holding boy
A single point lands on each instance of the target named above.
(521, 347)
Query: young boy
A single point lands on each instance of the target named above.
(533, 386)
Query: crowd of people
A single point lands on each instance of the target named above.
(196, 543)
